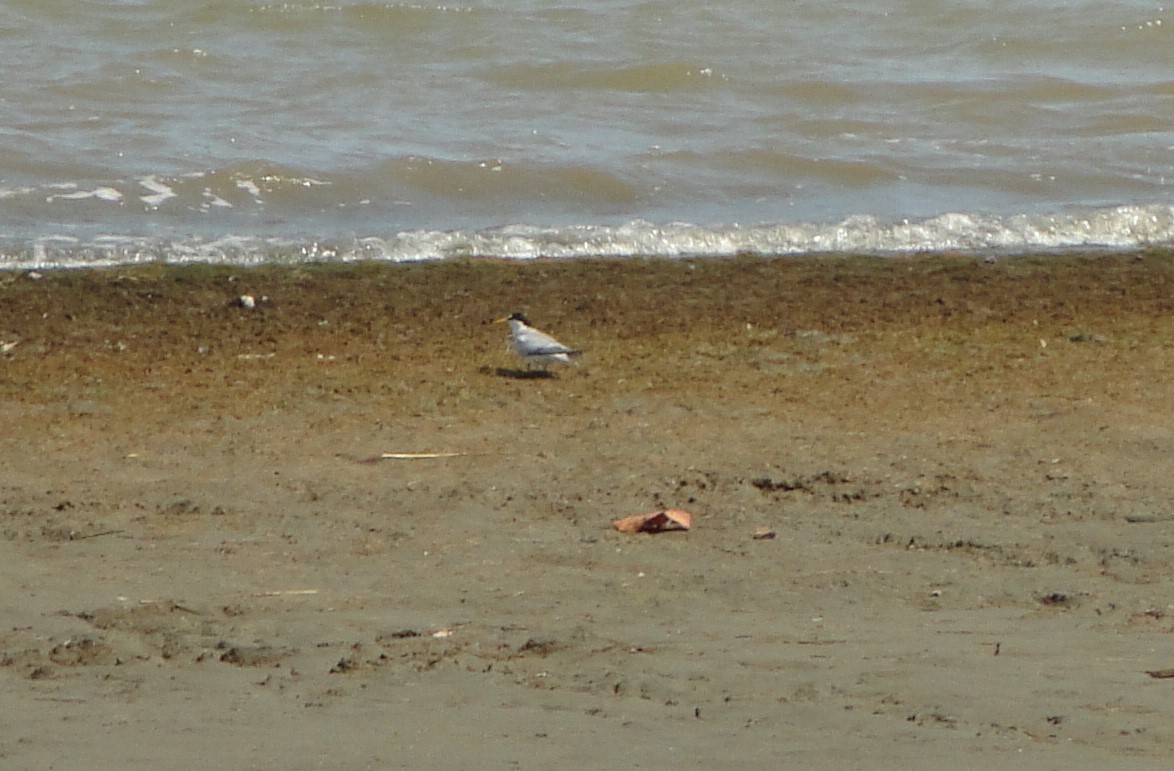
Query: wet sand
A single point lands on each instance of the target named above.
(932, 501)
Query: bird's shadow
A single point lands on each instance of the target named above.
(524, 374)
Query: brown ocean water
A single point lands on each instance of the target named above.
(248, 131)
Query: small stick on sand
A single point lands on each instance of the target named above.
(415, 455)
(286, 592)
(411, 456)
(80, 536)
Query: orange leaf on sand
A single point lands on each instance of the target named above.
(655, 521)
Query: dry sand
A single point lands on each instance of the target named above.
(966, 467)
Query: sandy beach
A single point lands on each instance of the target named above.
(933, 520)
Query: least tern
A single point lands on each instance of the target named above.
(533, 346)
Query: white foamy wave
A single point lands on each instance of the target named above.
(102, 193)
(1120, 228)
(159, 192)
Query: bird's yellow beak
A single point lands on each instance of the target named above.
(502, 320)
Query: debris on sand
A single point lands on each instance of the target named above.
(655, 521)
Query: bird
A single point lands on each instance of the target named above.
(534, 346)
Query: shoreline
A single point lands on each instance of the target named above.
(963, 463)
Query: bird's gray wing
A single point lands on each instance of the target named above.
(553, 350)
(536, 343)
